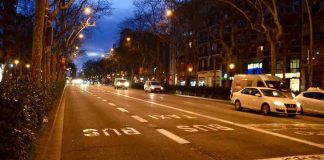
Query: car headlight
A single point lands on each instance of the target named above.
(126, 84)
(152, 87)
(162, 88)
(118, 83)
(298, 104)
(278, 103)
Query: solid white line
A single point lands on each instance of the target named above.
(104, 100)
(111, 104)
(172, 136)
(229, 122)
(140, 119)
(122, 109)
(314, 156)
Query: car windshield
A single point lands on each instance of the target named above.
(155, 83)
(277, 85)
(272, 93)
(122, 81)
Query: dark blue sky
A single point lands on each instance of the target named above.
(106, 33)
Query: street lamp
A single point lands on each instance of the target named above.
(27, 66)
(190, 69)
(232, 66)
(168, 13)
(128, 39)
(87, 11)
(81, 36)
(16, 61)
(76, 47)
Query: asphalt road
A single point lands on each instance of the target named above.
(100, 122)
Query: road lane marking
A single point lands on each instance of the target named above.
(228, 122)
(104, 100)
(304, 157)
(111, 104)
(172, 136)
(122, 109)
(140, 119)
(98, 97)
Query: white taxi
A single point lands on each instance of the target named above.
(312, 100)
(266, 100)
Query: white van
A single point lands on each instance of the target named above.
(241, 81)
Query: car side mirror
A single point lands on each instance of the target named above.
(258, 95)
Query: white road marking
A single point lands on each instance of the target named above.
(122, 109)
(304, 157)
(140, 119)
(104, 100)
(172, 136)
(111, 104)
(228, 122)
(98, 97)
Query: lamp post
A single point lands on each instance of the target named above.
(231, 66)
(81, 36)
(189, 70)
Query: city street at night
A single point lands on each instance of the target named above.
(101, 122)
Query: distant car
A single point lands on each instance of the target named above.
(266, 100)
(121, 83)
(312, 100)
(153, 86)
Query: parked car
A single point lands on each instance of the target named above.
(153, 86)
(121, 83)
(312, 100)
(241, 81)
(267, 100)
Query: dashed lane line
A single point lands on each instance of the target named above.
(104, 100)
(140, 119)
(122, 109)
(227, 122)
(111, 104)
(172, 136)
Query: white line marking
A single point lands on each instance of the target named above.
(229, 122)
(122, 109)
(140, 119)
(98, 97)
(104, 100)
(173, 136)
(111, 104)
(314, 156)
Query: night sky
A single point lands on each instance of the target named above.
(106, 33)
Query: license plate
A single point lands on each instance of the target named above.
(291, 109)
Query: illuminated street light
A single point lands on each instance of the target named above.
(76, 47)
(232, 66)
(190, 69)
(16, 61)
(261, 48)
(168, 13)
(11, 65)
(87, 11)
(27, 66)
(102, 55)
(81, 36)
(128, 39)
(112, 49)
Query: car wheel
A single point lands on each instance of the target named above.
(301, 110)
(265, 109)
(238, 106)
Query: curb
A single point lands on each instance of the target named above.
(208, 99)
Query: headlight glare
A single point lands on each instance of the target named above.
(278, 103)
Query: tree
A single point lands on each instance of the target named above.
(263, 17)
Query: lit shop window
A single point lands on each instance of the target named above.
(255, 68)
(294, 65)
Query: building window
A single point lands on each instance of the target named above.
(279, 67)
(294, 65)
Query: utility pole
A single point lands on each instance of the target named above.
(311, 47)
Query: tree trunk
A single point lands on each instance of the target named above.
(38, 41)
(273, 57)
